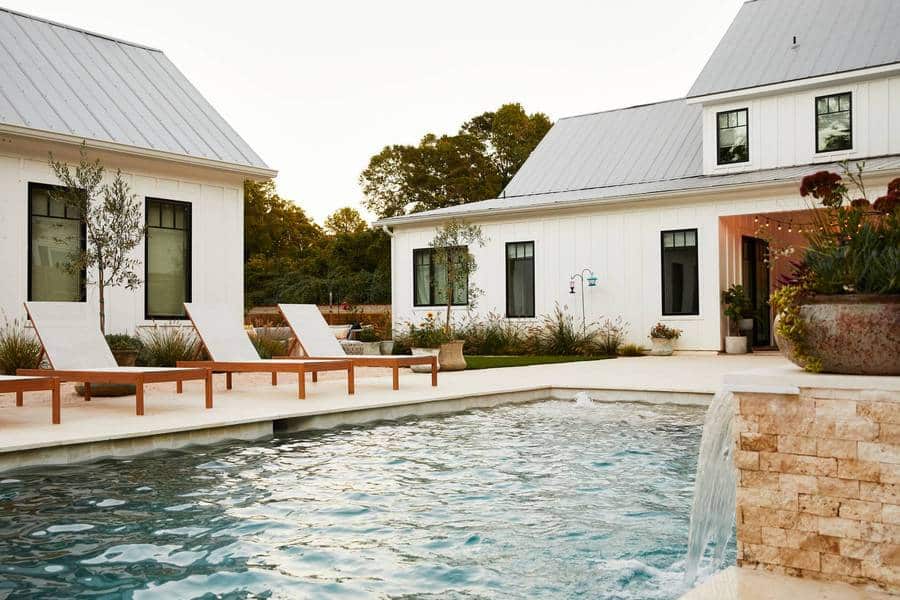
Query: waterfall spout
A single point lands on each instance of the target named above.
(713, 511)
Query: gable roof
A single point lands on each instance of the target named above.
(650, 142)
(63, 80)
(832, 36)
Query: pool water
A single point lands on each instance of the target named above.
(547, 500)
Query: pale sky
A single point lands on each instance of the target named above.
(318, 88)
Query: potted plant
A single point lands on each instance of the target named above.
(739, 311)
(426, 339)
(662, 338)
(452, 256)
(125, 348)
(386, 347)
(371, 341)
(839, 312)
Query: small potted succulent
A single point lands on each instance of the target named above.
(125, 348)
(426, 339)
(739, 311)
(663, 337)
(371, 341)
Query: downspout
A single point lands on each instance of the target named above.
(387, 230)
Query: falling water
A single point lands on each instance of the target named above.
(712, 515)
(583, 399)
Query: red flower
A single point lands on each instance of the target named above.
(888, 203)
(894, 186)
(824, 186)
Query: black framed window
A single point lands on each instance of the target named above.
(834, 122)
(680, 276)
(167, 260)
(56, 234)
(732, 138)
(520, 279)
(430, 279)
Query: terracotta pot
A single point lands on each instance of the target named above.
(852, 334)
(425, 352)
(451, 356)
(662, 346)
(125, 358)
(735, 344)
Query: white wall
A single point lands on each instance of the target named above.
(782, 126)
(620, 243)
(217, 227)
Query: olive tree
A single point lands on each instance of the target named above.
(453, 262)
(113, 224)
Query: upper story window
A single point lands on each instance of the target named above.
(56, 235)
(168, 259)
(680, 276)
(731, 135)
(430, 285)
(520, 279)
(834, 123)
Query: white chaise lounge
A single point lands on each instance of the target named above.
(77, 351)
(317, 340)
(19, 384)
(231, 350)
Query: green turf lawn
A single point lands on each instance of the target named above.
(495, 362)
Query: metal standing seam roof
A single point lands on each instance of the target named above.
(64, 80)
(833, 36)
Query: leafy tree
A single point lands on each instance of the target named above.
(475, 164)
(112, 219)
(452, 256)
(345, 220)
(275, 227)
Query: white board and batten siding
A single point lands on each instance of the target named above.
(620, 243)
(217, 218)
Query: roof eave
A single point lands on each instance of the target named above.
(250, 171)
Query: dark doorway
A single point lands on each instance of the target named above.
(755, 270)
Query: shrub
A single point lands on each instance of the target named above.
(19, 349)
(494, 336)
(558, 334)
(610, 336)
(664, 332)
(165, 346)
(123, 342)
(426, 335)
(368, 334)
(268, 344)
(631, 350)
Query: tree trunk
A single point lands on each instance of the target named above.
(102, 302)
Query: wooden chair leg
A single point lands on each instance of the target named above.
(87, 391)
(54, 403)
(139, 397)
(20, 398)
(179, 387)
(301, 382)
(434, 372)
(208, 389)
(351, 381)
(227, 381)
(274, 377)
(315, 376)
(396, 374)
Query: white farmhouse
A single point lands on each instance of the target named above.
(666, 202)
(61, 87)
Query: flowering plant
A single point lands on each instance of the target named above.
(428, 334)
(661, 331)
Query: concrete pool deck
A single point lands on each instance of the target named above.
(108, 427)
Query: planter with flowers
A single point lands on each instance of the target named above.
(662, 339)
(839, 312)
(370, 340)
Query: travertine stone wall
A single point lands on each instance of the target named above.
(819, 484)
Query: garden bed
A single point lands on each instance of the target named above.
(497, 362)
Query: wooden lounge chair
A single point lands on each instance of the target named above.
(19, 384)
(315, 337)
(231, 350)
(77, 351)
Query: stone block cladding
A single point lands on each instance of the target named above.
(819, 484)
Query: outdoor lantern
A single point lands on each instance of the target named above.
(592, 280)
(571, 286)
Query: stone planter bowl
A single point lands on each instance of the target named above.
(852, 334)
(661, 346)
(387, 347)
(735, 344)
(371, 348)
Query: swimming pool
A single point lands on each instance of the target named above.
(551, 499)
